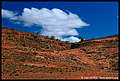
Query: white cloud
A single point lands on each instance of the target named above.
(8, 14)
(54, 22)
(71, 39)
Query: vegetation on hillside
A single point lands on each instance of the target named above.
(29, 55)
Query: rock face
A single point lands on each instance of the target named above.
(31, 56)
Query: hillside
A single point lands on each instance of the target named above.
(32, 56)
(31, 40)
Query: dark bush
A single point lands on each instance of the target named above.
(115, 68)
(81, 38)
(52, 37)
(35, 36)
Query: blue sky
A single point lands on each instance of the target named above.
(102, 17)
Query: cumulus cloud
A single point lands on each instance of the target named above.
(9, 14)
(54, 22)
(71, 39)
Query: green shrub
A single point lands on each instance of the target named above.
(39, 67)
(3, 60)
(30, 38)
(47, 37)
(20, 64)
(31, 70)
(47, 47)
(5, 53)
(42, 46)
(57, 69)
(34, 36)
(14, 71)
(10, 74)
(43, 68)
(81, 38)
(52, 68)
(23, 59)
(16, 74)
(52, 37)
(60, 70)
(33, 66)
(6, 57)
(25, 71)
(35, 60)
(21, 48)
(115, 68)
(14, 53)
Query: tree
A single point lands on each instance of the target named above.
(47, 37)
(81, 38)
(52, 37)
